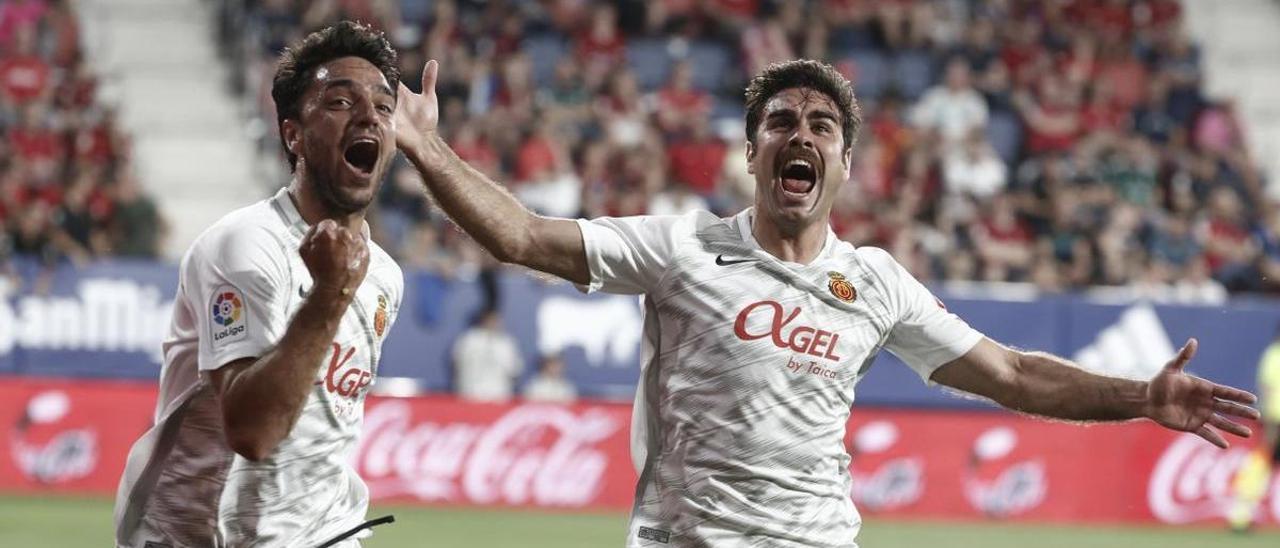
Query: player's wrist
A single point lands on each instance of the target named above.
(334, 294)
(428, 153)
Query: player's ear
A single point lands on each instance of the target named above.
(292, 133)
(751, 156)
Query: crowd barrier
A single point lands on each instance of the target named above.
(108, 319)
(72, 437)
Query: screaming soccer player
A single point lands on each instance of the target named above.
(277, 328)
(758, 327)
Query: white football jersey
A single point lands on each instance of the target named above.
(239, 286)
(749, 369)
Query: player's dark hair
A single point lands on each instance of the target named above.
(803, 73)
(298, 64)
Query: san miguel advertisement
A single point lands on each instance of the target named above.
(72, 437)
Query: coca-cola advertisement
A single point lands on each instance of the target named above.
(65, 436)
(439, 450)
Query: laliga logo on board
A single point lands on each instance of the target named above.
(1192, 481)
(47, 452)
(1014, 489)
(897, 482)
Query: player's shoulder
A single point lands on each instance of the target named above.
(256, 226)
(385, 267)
(877, 261)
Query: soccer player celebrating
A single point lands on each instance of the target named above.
(277, 328)
(758, 327)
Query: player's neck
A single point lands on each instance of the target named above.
(313, 209)
(800, 246)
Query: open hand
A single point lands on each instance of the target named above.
(1187, 403)
(417, 114)
(336, 258)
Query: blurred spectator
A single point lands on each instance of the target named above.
(974, 169)
(953, 110)
(1061, 144)
(486, 361)
(136, 228)
(549, 384)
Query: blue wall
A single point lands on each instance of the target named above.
(108, 320)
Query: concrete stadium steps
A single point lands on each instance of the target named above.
(159, 66)
(1240, 44)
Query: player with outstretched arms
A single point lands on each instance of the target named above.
(277, 328)
(758, 327)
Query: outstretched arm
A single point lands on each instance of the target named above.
(481, 207)
(1046, 385)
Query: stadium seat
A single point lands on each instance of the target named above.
(1004, 131)
(649, 61)
(915, 73)
(870, 72)
(711, 62)
(544, 50)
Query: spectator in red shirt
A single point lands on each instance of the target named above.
(1125, 74)
(601, 48)
(1227, 245)
(679, 103)
(1053, 119)
(17, 16)
(696, 160)
(24, 76)
(1002, 241)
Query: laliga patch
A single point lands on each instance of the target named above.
(228, 317)
(840, 287)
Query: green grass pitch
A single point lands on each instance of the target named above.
(77, 522)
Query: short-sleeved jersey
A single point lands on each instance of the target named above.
(749, 370)
(239, 286)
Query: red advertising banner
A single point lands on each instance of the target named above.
(73, 437)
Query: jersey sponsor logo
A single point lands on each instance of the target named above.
(656, 535)
(348, 382)
(801, 338)
(228, 315)
(840, 287)
(380, 317)
(721, 261)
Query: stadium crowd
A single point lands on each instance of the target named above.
(1065, 143)
(67, 191)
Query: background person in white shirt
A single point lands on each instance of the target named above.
(549, 385)
(758, 327)
(486, 360)
(953, 110)
(277, 328)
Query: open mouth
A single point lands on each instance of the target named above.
(362, 155)
(799, 176)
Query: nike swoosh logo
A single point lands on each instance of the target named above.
(720, 260)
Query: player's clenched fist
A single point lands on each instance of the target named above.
(336, 258)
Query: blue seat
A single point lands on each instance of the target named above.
(870, 72)
(711, 64)
(914, 72)
(649, 62)
(1004, 132)
(544, 51)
